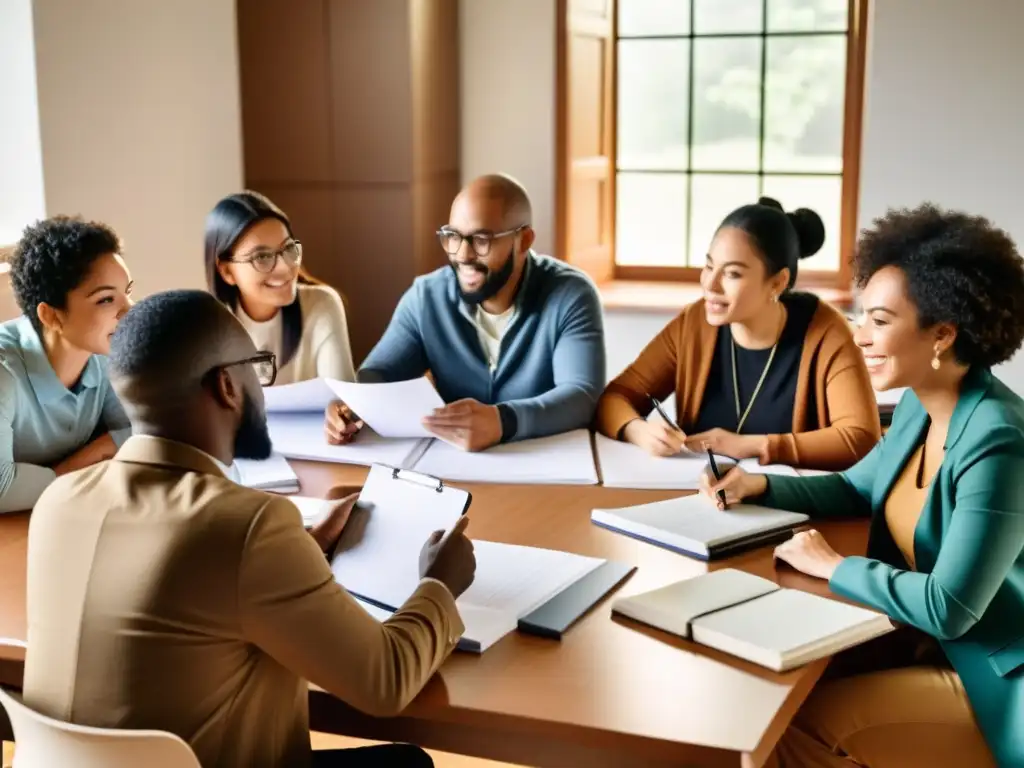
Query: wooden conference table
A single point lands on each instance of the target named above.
(610, 693)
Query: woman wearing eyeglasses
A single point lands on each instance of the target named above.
(58, 412)
(254, 266)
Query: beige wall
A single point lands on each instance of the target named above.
(21, 189)
(139, 115)
(508, 98)
(944, 108)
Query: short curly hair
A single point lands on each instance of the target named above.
(959, 269)
(53, 257)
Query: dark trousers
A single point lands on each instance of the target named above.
(397, 755)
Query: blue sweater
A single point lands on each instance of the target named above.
(551, 366)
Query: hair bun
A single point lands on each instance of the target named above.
(810, 230)
(770, 202)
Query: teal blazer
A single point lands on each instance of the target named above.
(968, 590)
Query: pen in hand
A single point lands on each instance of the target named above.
(661, 412)
(714, 471)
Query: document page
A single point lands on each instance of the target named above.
(269, 474)
(301, 436)
(565, 459)
(377, 556)
(515, 579)
(392, 409)
(302, 397)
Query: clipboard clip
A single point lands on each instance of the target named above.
(418, 477)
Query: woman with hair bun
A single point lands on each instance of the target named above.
(758, 370)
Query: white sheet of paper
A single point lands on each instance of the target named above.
(624, 465)
(378, 554)
(511, 581)
(301, 436)
(392, 409)
(270, 474)
(312, 396)
(565, 459)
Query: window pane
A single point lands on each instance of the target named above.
(823, 195)
(712, 199)
(807, 15)
(650, 219)
(654, 17)
(653, 104)
(727, 104)
(712, 17)
(805, 103)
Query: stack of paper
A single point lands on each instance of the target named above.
(301, 436)
(377, 558)
(624, 465)
(511, 581)
(693, 525)
(392, 415)
(565, 459)
(753, 618)
(273, 474)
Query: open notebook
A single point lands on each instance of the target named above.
(377, 561)
(693, 525)
(624, 465)
(273, 474)
(753, 618)
(565, 459)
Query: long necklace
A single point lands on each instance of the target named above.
(741, 418)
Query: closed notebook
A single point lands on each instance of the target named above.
(693, 525)
(755, 619)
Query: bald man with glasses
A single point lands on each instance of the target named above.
(514, 340)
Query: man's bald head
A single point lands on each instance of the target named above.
(501, 192)
(167, 343)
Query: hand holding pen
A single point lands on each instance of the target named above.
(659, 437)
(732, 487)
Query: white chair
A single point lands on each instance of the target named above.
(42, 742)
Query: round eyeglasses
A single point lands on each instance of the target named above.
(451, 239)
(263, 260)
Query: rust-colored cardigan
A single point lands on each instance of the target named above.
(679, 359)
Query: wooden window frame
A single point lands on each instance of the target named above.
(599, 262)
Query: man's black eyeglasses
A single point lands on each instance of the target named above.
(264, 364)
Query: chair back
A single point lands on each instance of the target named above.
(42, 742)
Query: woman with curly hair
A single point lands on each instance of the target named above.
(759, 371)
(58, 412)
(943, 298)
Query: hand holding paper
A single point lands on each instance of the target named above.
(449, 558)
(340, 424)
(467, 424)
(392, 409)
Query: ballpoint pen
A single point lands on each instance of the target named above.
(714, 471)
(661, 412)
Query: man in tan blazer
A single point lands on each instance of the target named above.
(162, 595)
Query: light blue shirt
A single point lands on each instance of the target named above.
(41, 420)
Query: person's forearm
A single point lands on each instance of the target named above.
(562, 409)
(100, 449)
(21, 485)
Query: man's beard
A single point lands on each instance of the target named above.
(494, 282)
(252, 441)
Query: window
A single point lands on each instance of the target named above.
(675, 112)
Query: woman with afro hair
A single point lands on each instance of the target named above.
(58, 412)
(943, 302)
